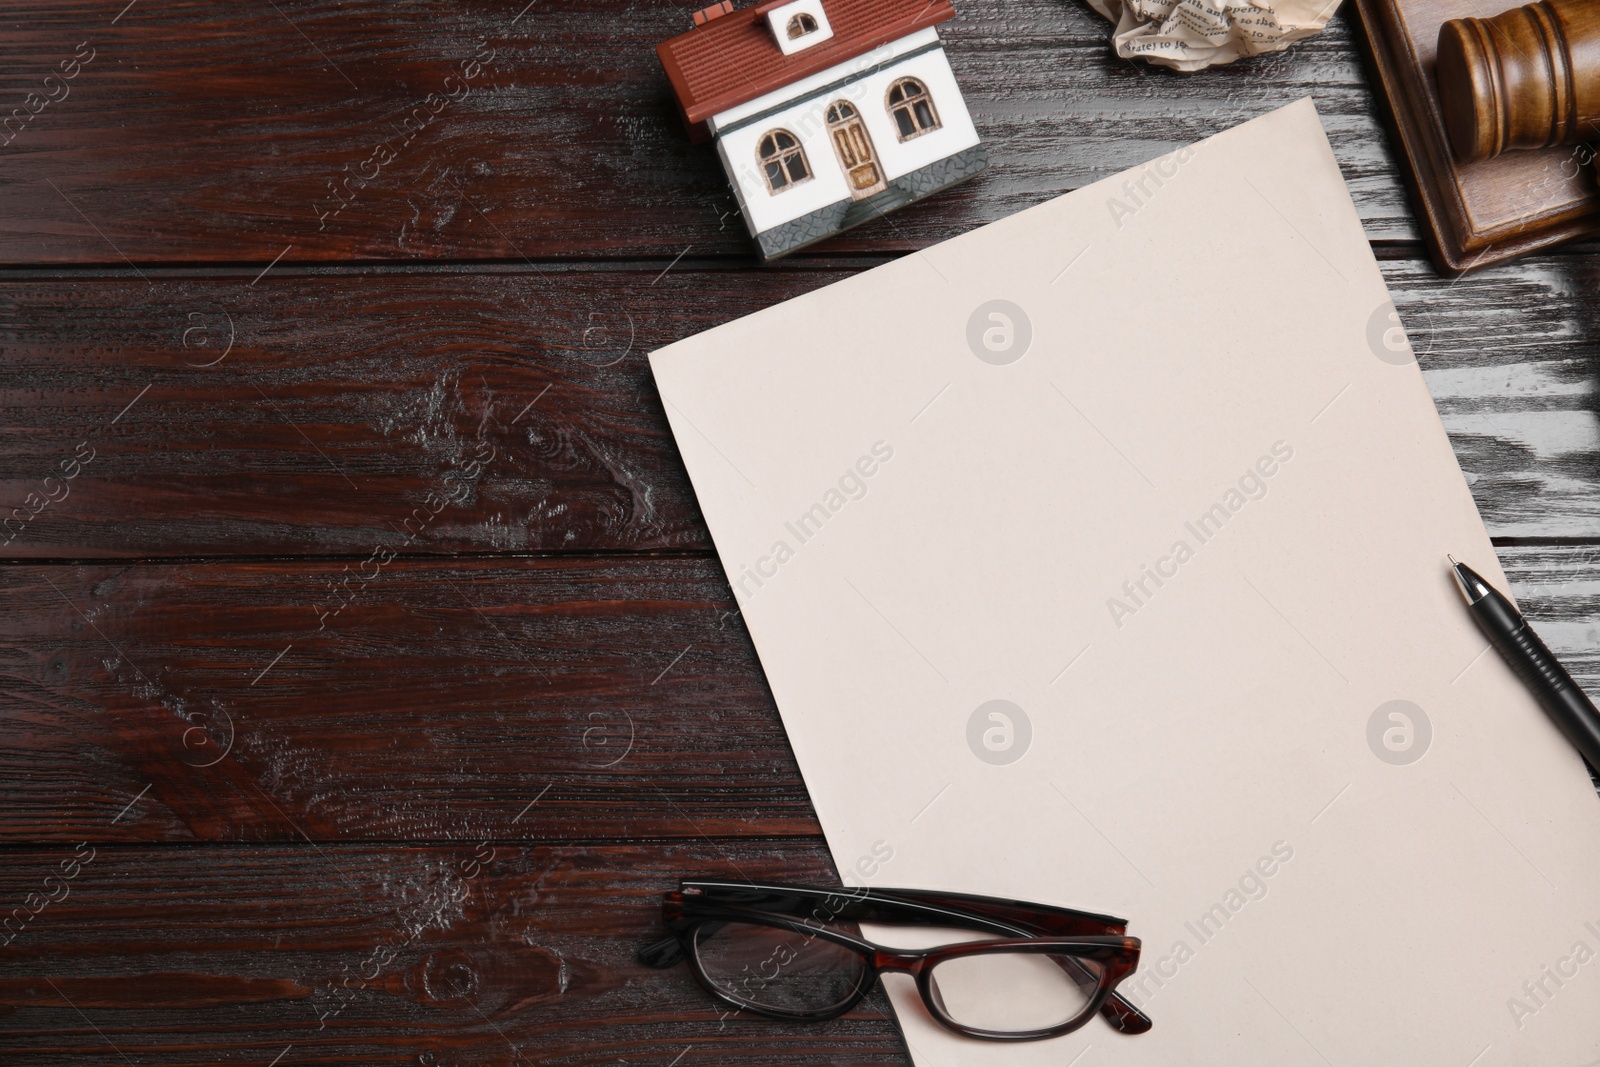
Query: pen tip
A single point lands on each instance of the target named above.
(1473, 587)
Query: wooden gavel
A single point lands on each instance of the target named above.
(1526, 78)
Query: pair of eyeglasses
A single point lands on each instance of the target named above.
(793, 952)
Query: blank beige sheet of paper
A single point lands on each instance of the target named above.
(1097, 557)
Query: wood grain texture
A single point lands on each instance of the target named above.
(351, 799)
(1548, 82)
(1510, 355)
(345, 401)
(440, 704)
(206, 132)
(497, 952)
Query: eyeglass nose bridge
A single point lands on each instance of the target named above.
(898, 962)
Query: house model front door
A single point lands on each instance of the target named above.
(854, 147)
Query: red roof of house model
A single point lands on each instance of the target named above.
(731, 57)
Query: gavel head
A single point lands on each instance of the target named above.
(1527, 78)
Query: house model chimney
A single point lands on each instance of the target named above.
(715, 11)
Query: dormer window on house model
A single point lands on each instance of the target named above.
(797, 24)
(826, 113)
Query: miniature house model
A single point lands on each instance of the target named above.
(827, 113)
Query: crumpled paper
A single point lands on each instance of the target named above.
(1193, 34)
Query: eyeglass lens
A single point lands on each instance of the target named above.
(777, 969)
(1014, 992)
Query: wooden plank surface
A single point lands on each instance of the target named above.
(210, 133)
(317, 414)
(334, 405)
(489, 952)
(392, 701)
(200, 702)
(430, 827)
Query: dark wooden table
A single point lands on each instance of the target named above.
(367, 668)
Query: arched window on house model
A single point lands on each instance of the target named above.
(801, 25)
(783, 161)
(912, 109)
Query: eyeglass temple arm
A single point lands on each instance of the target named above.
(1123, 1016)
(912, 907)
(1060, 922)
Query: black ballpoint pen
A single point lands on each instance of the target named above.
(1535, 664)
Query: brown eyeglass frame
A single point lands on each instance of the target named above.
(1030, 928)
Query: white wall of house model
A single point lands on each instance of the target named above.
(801, 112)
